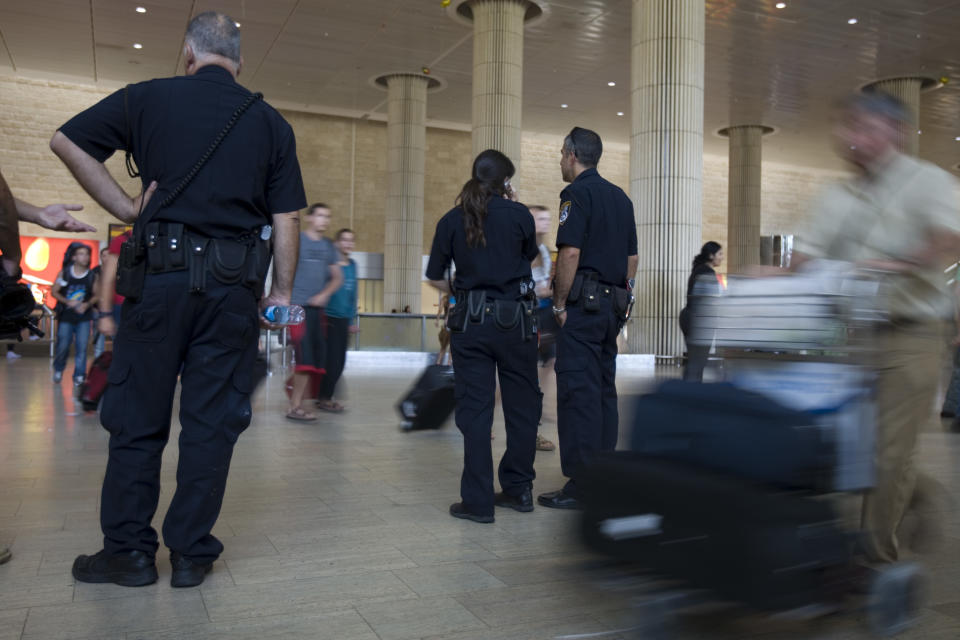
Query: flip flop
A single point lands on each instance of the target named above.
(329, 406)
(299, 415)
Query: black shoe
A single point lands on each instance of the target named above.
(457, 510)
(186, 572)
(128, 569)
(558, 500)
(522, 502)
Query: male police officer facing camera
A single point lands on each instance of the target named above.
(597, 240)
(197, 269)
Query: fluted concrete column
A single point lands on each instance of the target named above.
(666, 163)
(406, 144)
(907, 90)
(743, 196)
(498, 75)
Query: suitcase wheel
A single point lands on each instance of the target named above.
(895, 599)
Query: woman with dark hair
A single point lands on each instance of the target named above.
(703, 281)
(75, 291)
(492, 240)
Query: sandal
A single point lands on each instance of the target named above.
(330, 406)
(299, 415)
(544, 445)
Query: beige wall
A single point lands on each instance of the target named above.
(344, 164)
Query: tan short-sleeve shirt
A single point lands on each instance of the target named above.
(890, 216)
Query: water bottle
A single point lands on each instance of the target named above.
(287, 316)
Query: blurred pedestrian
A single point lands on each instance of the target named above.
(898, 215)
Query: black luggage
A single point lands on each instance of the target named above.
(731, 430)
(744, 542)
(431, 400)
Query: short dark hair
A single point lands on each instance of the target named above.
(343, 231)
(879, 103)
(216, 34)
(585, 145)
(316, 205)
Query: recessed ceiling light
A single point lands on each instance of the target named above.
(852, 21)
(619, 113)
(957, 138)
(781, 5)
(141, 10)
(238, 24)
(611, 84)
(564, 106)
(920, 132)
(137, 45)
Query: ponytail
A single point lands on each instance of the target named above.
(490, 170)
(473, 200)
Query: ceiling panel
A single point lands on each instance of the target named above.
(782, 68)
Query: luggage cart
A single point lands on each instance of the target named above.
(687, 530)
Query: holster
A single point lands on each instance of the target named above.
(622, 304)
(585, 291)
(197, 270)
(476, 305)
(131, 270)
(457, 316)
(507, 314)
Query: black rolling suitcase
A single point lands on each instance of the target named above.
(430, 402)
(733, 431)
(742, 541)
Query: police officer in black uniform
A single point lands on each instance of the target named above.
(491, 240)
(193, 274)
(597, 242)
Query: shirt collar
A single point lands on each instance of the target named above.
(587, 173)
(214, 72)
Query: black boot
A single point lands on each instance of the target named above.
(186, 572)
(522, 502)
(127, 569)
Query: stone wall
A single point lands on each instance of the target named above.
(344, 165)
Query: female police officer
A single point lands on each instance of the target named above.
(492, 240)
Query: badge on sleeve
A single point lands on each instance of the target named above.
(564, 211)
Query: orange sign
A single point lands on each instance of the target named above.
(43, 260)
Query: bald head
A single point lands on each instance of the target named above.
(212, 38)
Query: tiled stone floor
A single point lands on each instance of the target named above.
(339, 530)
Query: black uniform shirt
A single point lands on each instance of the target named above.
(501, 265)
(253, 174)
(596, 217)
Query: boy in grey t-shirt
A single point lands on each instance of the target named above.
(318, 277)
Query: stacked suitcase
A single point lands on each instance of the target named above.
(728, 488)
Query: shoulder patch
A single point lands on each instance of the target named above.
(564, 211)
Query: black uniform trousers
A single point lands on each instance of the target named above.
(479, 354)
(586, 366)
(338, 336)
(210, 340)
